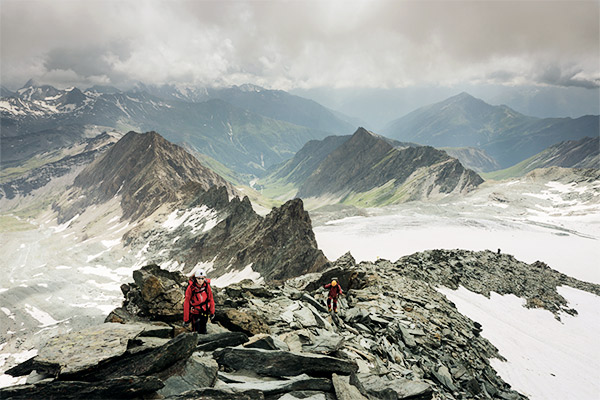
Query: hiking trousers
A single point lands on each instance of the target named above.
(334, 304)
(199, 322)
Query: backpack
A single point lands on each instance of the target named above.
(196, 299)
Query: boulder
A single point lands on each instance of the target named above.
(307, 395)
(162, 292)
(247, 322)
(282, 363)
(118, 388)
(195, 373)
(324, 342)
(76, 352)
(144, 363)
(214, 341)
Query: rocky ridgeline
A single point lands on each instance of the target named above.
(279, 245)
(395, 337)
(485, 271)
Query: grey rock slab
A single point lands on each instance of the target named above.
(305, 317)
(266, 342)
(142, 344)
(313, 302)
(218, 394)
(443, 376)
(282, 363)
(400, 388)
(122, 387)
(198, 372)
(324, 342)
(273, 387)
(344, 390)
(150, 362)
(210, 342)
(78, 351)
(407, 337)
(307, 395)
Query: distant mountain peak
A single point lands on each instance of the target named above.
(146, 170)
(31, 83)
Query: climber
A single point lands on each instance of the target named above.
(199, 303)
(335, 290)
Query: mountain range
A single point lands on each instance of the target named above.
(506, 135)
(246, 141)
(369, 170)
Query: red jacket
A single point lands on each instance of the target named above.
(334, 291)
(198, 299)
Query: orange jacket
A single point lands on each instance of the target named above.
(198, 299)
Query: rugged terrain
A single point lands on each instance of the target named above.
(394, 337)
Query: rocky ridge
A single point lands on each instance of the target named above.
(395, 337)
(228, 236)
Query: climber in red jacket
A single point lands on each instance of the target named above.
(199, 303)
(335, 290)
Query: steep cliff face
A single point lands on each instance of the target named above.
(368, 170)
(145, 169)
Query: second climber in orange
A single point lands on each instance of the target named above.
(335, 290)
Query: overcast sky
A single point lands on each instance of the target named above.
(300, 44)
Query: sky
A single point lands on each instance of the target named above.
(300, 44)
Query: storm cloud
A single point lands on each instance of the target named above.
(301, 44)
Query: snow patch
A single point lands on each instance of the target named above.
(236, 276)
(43, 317)
(110, 243)
(64, 226)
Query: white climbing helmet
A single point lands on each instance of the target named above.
(200, 274)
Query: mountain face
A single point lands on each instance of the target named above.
(305, 161)
(584, 153)
(509, 137)
(367, 169)
(145, 169)
(473, 158)
(243, 140)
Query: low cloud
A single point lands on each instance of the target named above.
(284, 44)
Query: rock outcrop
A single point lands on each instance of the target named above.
(233, 237)
(394, 338)
(485, 271)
